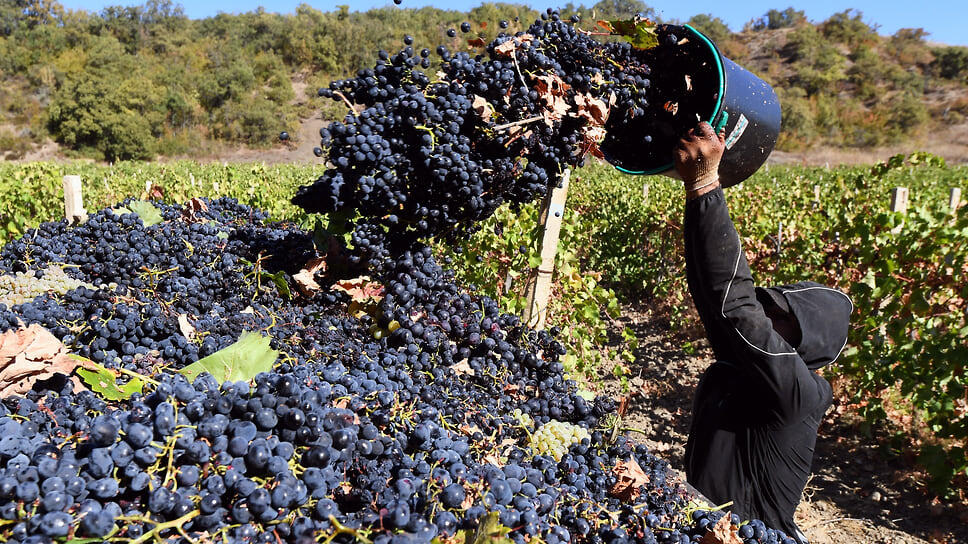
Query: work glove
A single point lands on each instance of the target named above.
(697, 158)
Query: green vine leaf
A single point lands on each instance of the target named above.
(241, 361)
(489, 531)
(279, 278)
(149, 214)
(103, 381)
(639, 32)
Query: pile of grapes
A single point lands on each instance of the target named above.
(399, 406)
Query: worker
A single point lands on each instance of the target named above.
(758, 406)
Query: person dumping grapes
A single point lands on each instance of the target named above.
(758, 406)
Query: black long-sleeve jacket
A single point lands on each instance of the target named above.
(758, 407)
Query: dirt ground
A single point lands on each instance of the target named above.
(857, 494)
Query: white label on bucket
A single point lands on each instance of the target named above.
(738, 131)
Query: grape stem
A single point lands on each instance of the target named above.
(136, 375)
(158, 529)
(519, 123)
(514, 57)
(344, 530)
(346, 101)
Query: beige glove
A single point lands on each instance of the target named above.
(697, 159)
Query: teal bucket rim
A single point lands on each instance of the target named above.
(721, 70)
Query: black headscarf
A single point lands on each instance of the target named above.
(824, 317)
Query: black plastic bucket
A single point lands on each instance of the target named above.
(748, 109)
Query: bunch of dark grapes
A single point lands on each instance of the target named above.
(400, 416)
(432, 155)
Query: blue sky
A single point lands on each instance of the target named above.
(943, 19)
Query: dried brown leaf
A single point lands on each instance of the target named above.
(463, 368)
(192, 208)
(186, 328)
(469, 499)
(593, 110)
(507, 48)
(28, 355)
(361, 289)
(477, 42)
(514, 391)
(305, 279)
(493, 459)
(469, 429)
(630, 478)
(722, 533)
(483, 108)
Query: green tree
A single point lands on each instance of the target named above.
(614, 9)
(908, 47)
(819, 64)
(110, 107)
(711, 26)
(775, 19)
(848, 27)
(951, 62)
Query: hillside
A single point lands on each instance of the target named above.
(147, 82)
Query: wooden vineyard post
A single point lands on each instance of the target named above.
(645, 193)
(779, 238)
(899, 199)
(899, 203)
(553, 211)
(73, 200)
(954, 199)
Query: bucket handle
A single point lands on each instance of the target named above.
(723, 118)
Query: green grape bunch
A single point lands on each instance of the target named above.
(555, 437)
(23, 287)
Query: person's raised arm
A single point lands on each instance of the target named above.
(721, 283)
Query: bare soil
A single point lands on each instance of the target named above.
(857, 494)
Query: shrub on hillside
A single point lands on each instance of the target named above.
(711, 26)
(865, 72)
(904, 113)
(775, 19)
(951, 62)
(820, 64)
(848, 27)
(798, 128)
(908, 47)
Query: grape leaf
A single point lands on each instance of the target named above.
(360, 289)
(146, 211)
(629, 480)
(606, 25)
(193, 208)
(722, 533)
(241, 361)
(28, 355)
(639, 32)
(587, 395)
(489, 531)
(279, 278)
(306, 278)
(102, 381)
